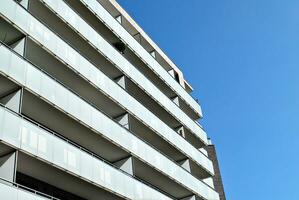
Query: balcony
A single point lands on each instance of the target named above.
(103, 83)
(152, 57)
(69, 17)
(37, 142)
(55, 95)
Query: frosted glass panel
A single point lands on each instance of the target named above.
(36, 30)
(86, 169)
(74, 105)
(108, 173)
(1, 121)
(24, 195)
(11, 129)
(73, 159)
(29, 137)
(47, 88)
(96, 120)
(17, 68)
(85, 113)
(61, 96)
(45, 146)
(5, 60)
(60, 153)
(40, 198)
(7, 192)
(98, 172)
(33, 79)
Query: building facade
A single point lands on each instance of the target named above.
(91, 108)
(217, 178)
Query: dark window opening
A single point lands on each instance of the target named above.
(176, 76)
(45, 188)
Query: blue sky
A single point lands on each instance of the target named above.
(242, 58)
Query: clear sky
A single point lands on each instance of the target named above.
(242, 58)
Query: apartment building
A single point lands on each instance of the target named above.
(91, 108)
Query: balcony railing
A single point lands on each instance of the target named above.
(14, 191)
(120, 31)
(100, 44)
(82, 66)
(59, 96)
(37, 140)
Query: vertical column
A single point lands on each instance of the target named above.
(121, 81)
(18, 45)
(8, 166)
(176, 100)
(13, 100)
(126, 164)
(185, 164)
(119, 19)
(181, 131)
(153, 53)
(172, 73)
(123, 120)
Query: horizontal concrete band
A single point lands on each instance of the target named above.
(39, 83)
(152, 63)
(26, 136)
(65, 12)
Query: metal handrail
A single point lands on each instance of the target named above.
(196, 122)
(101, 90)
(115, 65)
(19, 186)
(144, 49)
(104, 114)
(54, 133)
(75, 93)
(81, 54)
